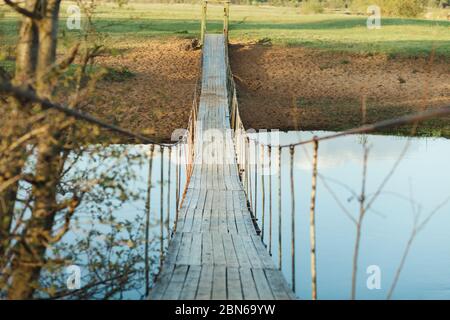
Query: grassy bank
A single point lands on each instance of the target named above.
(282, 25)
(137, 29)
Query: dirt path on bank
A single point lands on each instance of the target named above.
(151, 88)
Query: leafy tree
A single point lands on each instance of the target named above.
(44, 185)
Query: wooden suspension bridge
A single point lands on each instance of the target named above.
(216, 252)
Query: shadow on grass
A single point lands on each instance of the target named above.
(334, 24)
(192, 26)
(139, 28)
(394, 49)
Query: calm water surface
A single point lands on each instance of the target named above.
(423, 175)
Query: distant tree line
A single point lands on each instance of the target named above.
(403, 8)
(328, 3)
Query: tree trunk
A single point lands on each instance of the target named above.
(48, 35)
(30, 256)
(27, 47)
(15, 125)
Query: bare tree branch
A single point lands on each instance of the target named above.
(23, 11)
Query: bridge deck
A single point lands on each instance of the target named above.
(216, 253)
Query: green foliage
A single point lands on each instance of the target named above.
(121, 3)
(403, 8)
(439, 3)
(335, 4)
(311, 7)
(400, 8)
(118, 75)
(91, 184)
(107, 246)
(360, 6)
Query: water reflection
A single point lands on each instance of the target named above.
(108, 229)
(422, 175)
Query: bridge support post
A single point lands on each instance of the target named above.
(203, 25)
(226, 18)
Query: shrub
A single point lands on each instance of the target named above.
(335, 4)
(121, 3)
(360, 6)
(311, 6)
(404, 8)
(118, 75)
(401, 8)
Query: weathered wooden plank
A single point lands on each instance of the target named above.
(248, 284)
(189, 290)
(231, 222)
(262, 253)
(173, 250)
(219, 253)
(278, 284)
(262, 285)
(219, 283)
(205, 284)
(162, 282)
(185, 248)
(239, 221)
(206, 221)
(230, 253)
(241, 255)
(251, 251)
(198, 221)
(234, 287)
(207, 249)
(176, 283)
(196, 249)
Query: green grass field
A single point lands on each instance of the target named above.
(282, 25)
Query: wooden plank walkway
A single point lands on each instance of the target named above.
(216, 253)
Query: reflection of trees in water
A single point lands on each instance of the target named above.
(350, 190)
(108, 249)
(111, 263)
(50, 182)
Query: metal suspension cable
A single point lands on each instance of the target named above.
(270, 198)
(255, 207)
(178, 187)
(279, 210)
(247, 167)
(161, 209)
(312, 222)
(292, 151)
(147, 220)
(263, 194)
(249, 182)
(169, 166)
